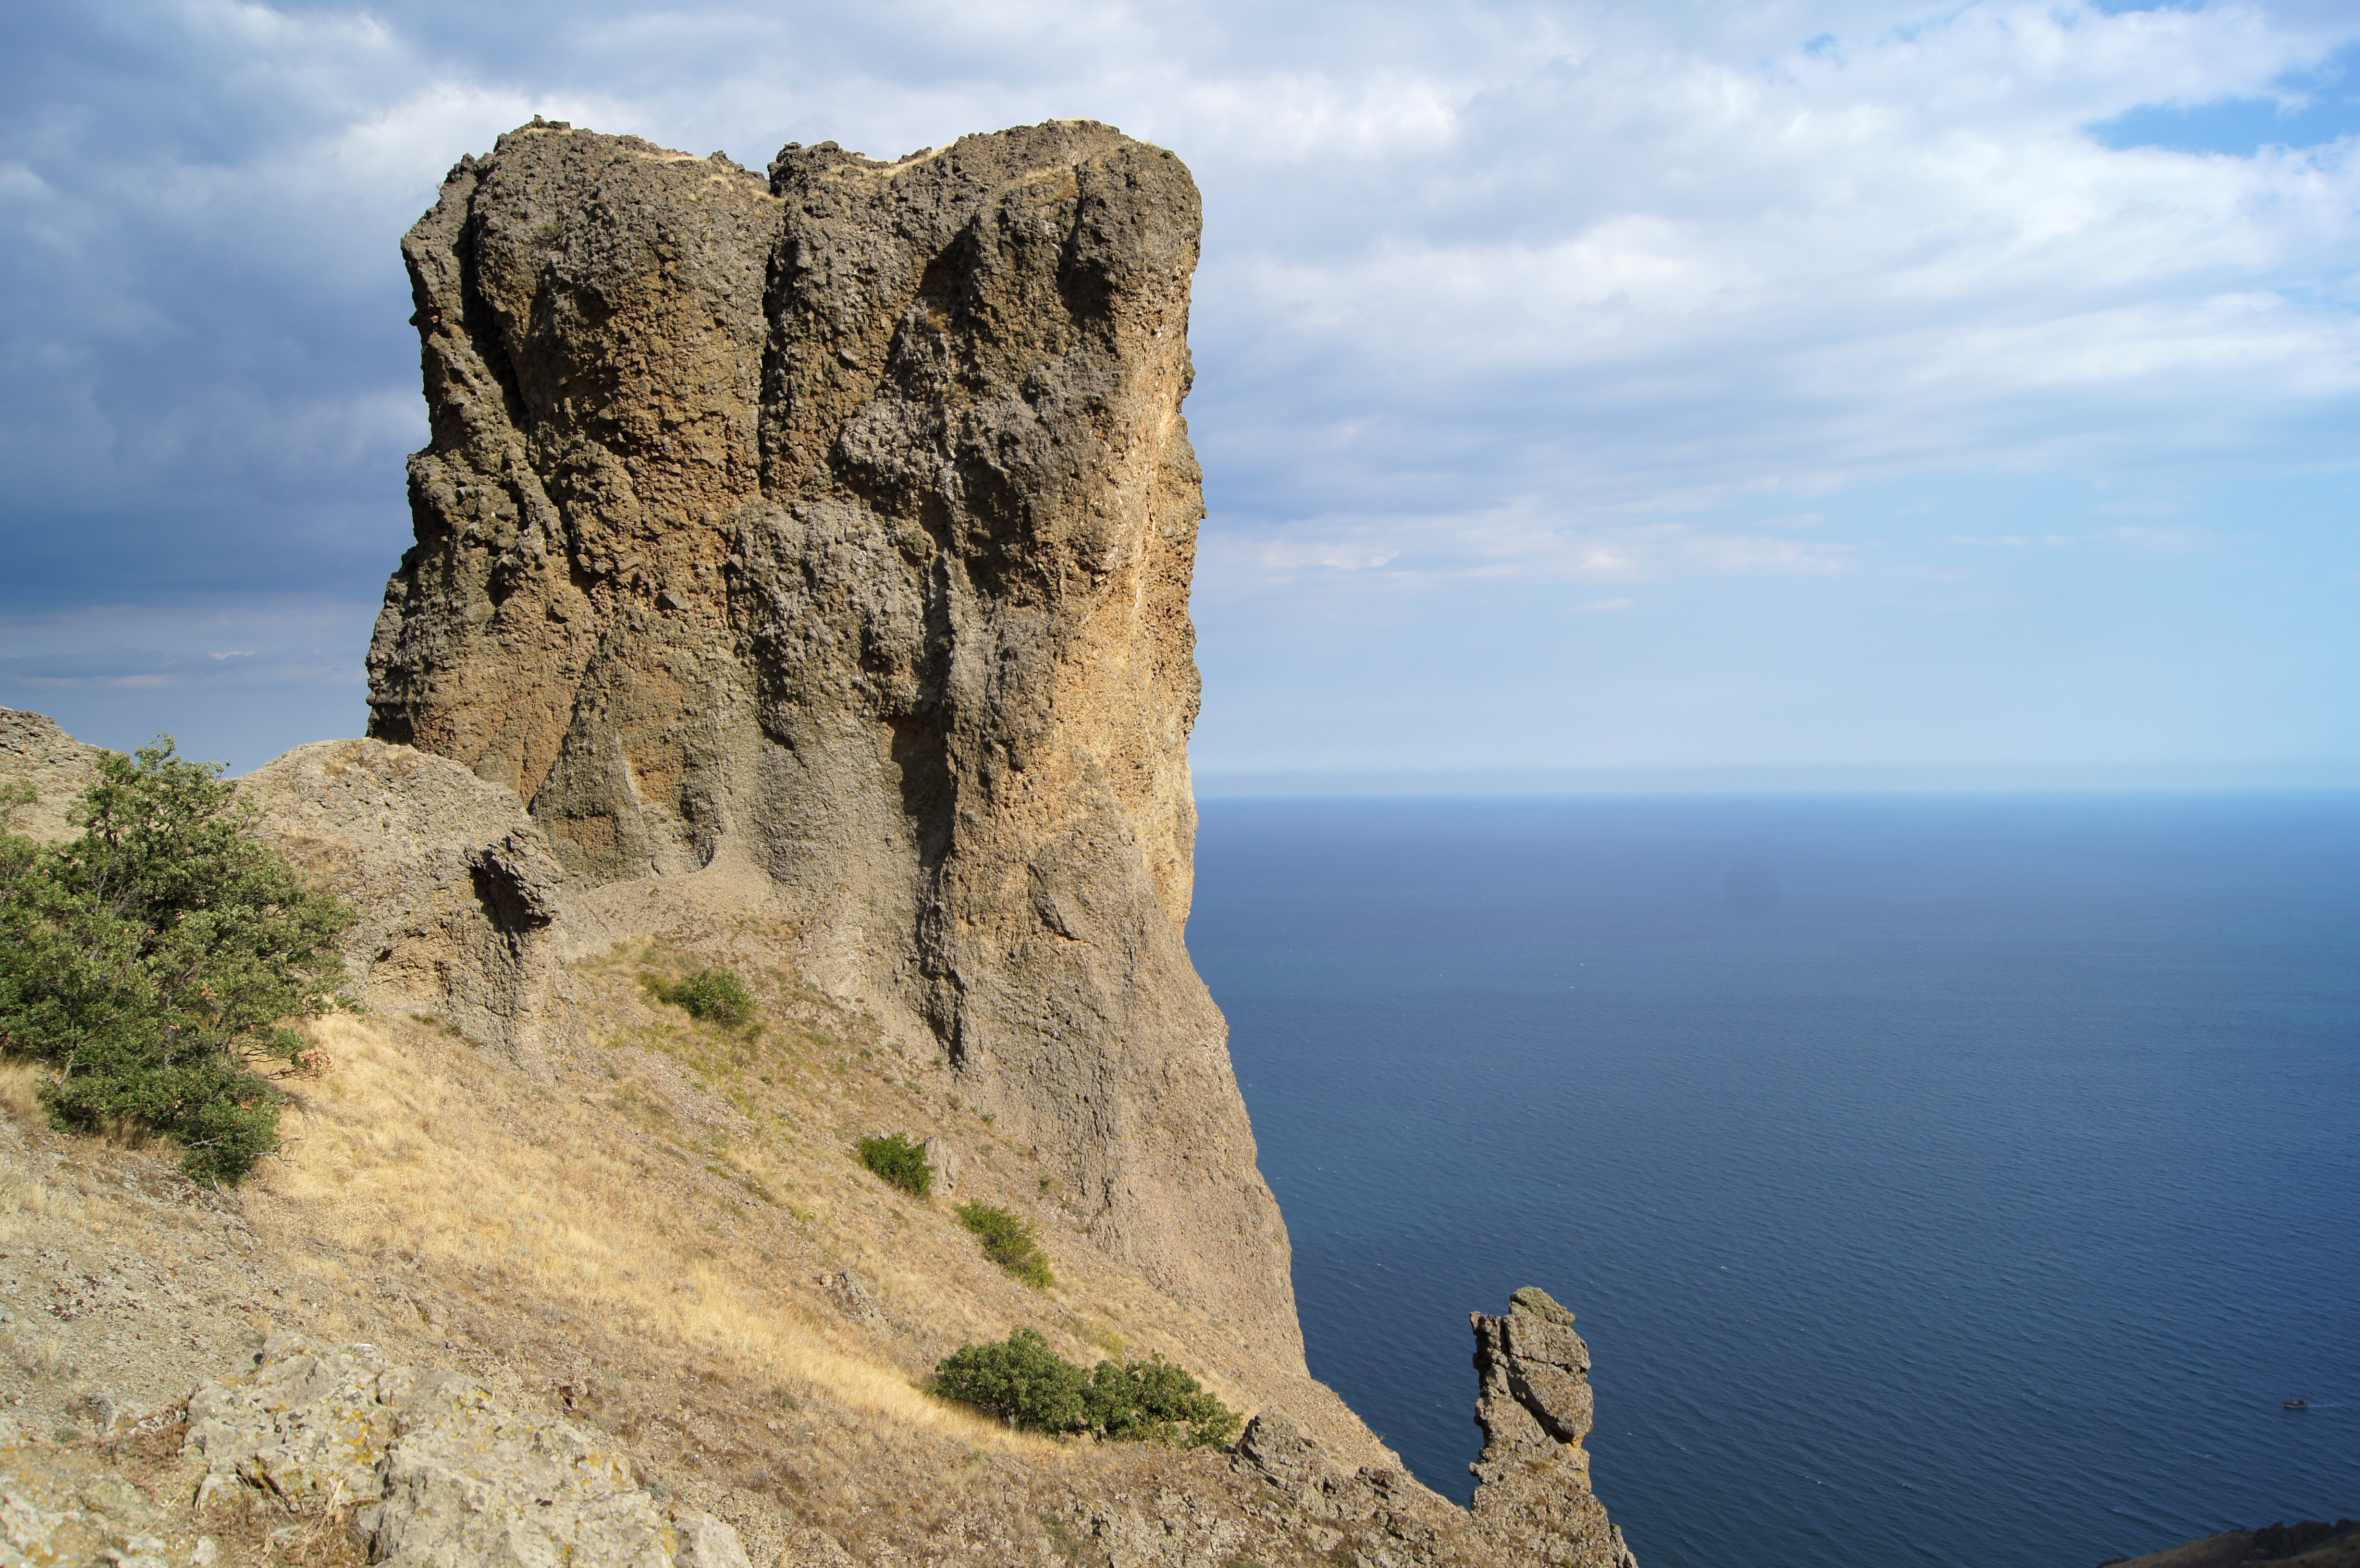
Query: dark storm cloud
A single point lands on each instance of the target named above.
(204, 365)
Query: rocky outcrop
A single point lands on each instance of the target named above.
(1532, 1493)
(34, 751)
(436, 1470)
(457, 888)
(840, 524)
(307, 1426)
(2311, 1544)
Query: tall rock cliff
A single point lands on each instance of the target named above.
(840, 525)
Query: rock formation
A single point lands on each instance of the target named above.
(453, 883)
(1532, 1493)
(442, 1472)
(36, 752)
(840, 525)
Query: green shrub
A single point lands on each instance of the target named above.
(1009, 1241)
(716, 996)
(1023, 1382)
(1026, 1384)
(900, 1162)
(1153, 1400)
(150, 962)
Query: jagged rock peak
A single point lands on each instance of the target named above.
(1539, 1303)
(1533, 1493)
(840, 524)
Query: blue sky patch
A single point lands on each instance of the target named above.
(2322, 106)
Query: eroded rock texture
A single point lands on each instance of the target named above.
(453, 885)
(841, 524)
(1531, 1492)
(442, 1471)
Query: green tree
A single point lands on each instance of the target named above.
(151, 961)
(1022, 1381)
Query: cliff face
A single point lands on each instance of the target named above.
(840, 525)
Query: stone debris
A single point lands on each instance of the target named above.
(59, 1507)
(811, 1547)
(852, 1298)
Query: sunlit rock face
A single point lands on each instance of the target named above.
(840, 524)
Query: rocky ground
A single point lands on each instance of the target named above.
(530, 1211)
(669, 1251)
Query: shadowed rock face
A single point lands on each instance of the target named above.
(841, 524)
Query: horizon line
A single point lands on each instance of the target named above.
(1800, 778)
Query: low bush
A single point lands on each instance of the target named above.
(716, 996)
(1026, 1384)
(1156, 1402)
(1009, 1241)
(150, 962)
(896, 1160)
(1022, 1381)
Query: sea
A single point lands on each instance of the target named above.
(1958, 1180)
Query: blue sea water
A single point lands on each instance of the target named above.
(1939, 1179)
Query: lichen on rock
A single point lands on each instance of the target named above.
(1533, 1493)
(436, 1469)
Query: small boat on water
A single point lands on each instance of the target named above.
(2297, 1404)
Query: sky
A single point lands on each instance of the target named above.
(1645, 393)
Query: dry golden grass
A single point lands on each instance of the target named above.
(389, 1155)
(21, 1087)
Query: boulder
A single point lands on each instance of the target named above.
(457, 888)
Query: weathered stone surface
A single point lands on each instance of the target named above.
(708, 1542)
(945, 1161)
(1532, 1496)
(841, 524)
(442, 1471)
(469, 1481)
(307, 1425)
(33, 748)
(1276, 1448)
(852, 1298)
(456, 886)
(61, 1508)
